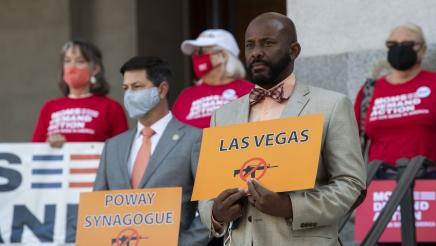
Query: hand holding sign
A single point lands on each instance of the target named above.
(232, 154)
(272, 203)
(226, 207)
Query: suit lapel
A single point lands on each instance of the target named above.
(124, 153)
(297, 101)
(170, 137)
(299, 98)
(242, 110)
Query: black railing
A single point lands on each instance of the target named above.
(408, 230)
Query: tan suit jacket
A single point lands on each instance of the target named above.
(340, 180)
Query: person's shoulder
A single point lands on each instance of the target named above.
(185, 97)
(328, 102)
(191, 89)
(186, 128)
(325, 96)
(55, 101)
(189, 92)
(105, 100)
(428, 73)
(325, 92)
(191, 134)
(231, 106)
(121, 137)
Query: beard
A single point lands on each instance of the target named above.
(272, 75)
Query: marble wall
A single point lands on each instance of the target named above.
(343, 39)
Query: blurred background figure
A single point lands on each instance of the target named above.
(220, 77)
(397, 112)
(84, 113)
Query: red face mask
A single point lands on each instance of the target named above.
(76, 77)
(202, 64)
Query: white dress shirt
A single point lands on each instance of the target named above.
(158, 127)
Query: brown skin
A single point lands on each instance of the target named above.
(272, 203)
(267, 38)
(226, 207)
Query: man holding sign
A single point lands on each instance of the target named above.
(160, 151)
(303, 217)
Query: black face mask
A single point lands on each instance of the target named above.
(402, 57)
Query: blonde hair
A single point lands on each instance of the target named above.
(414, 28)
(234, 68)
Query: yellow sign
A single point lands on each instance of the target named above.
(282, 154)
(129, 217)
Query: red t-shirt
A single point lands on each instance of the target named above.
(195, 104)
(401, 119)
(90, 119)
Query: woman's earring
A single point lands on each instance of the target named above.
(93, 79)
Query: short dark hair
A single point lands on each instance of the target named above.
(92, 55)
(157, 69)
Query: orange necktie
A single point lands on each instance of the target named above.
(142, 157)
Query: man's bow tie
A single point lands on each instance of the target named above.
(258, 94)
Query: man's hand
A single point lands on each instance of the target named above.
(226, 207)
(272, 203)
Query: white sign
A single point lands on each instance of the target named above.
(39, 191)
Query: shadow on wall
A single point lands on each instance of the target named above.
(346, 72)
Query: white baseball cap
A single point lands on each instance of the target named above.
(212, 37)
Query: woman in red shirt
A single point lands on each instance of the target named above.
(84, 113)
(401, 117)
(220, 73)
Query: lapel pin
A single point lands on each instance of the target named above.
(176, 137)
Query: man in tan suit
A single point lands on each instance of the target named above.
(306, 217)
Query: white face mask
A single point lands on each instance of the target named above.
(140, 102)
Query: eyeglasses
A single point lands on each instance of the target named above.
(390, 43)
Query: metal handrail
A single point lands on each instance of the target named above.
(407, 210)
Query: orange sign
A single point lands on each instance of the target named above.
(282, 154)
(129, 217)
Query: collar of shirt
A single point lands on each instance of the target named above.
(158, 127)
(268, 108)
